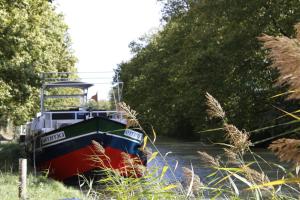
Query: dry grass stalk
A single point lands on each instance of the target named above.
(98, 147)
(128, 161)
(208, 159)
(214, 108)
(285, 54)
(232, 156)
(130, 114)
(255, 176)
(238, 139)
(128, 164)
(287, 150)
(140, 169)
(297, 28)
(99, 158)
(187, 176)
(132, 166)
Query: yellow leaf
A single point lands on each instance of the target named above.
(284, 93)
(276, 182)
(153, 155)
(169, 187)
(232, 169)
(145, 142)
(223, 179)
(163, 171)
(288, 113)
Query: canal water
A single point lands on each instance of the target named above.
(184, 154)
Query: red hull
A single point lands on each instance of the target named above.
(85, 160)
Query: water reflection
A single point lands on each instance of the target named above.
(185, 153)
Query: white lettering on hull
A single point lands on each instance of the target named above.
(133, 134)
(53, 137)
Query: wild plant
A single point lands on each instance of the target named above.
(231, 178)
(133, 180)
(234, 176)
(225, 180)
(284, 53)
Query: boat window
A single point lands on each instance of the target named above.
(63, 116)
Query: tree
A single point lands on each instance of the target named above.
(33, 39)
(207, 46)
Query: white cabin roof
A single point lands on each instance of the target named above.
(71, 84)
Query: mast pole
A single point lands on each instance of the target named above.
(42, 94)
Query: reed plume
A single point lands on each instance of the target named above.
(297, 28)
(208, 159)
(130, 115)
(98, 147)
(132, 166)
(128, 163)
(254, 176)
(285, 56)
(238, 139)
(190, 177)
(215, 109)
(287, 150)
(231, 155)
(99, 158)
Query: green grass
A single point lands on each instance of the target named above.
(38, 187)
(229, 180)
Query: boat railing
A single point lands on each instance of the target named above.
(84, 111)
(81, 81)
(82, 115)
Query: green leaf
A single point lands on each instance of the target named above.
(163, 171)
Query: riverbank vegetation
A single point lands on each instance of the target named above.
(33, 39)
(205, 46)
(210, 46)
(232, 175)
(236, 173)
(38, 187)
(226, 59)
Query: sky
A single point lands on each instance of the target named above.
(101, 31)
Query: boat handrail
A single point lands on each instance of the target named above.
(84, 111)
(62, 80)
(114, 115)
(72, 84)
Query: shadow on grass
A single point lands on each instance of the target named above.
(9, 156)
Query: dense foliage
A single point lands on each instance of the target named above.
(33, 39)
(207, 46)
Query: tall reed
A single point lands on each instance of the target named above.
(232, 176)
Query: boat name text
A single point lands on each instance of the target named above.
(133, 134)
(54, 137)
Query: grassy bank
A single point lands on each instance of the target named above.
(232, 175)
(38, 187)
(9, 155)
